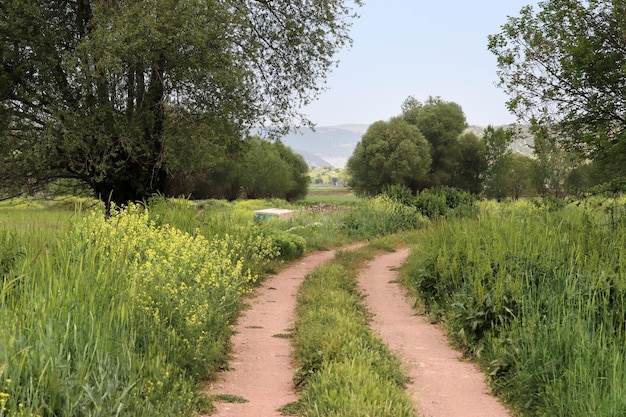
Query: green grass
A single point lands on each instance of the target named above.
(34, 219)
(127, 315)
(330, 195)
(229, 398)
(538, 297)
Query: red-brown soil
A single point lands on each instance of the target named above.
(261, 368)
(442, 384)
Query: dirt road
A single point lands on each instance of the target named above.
(441, 383)
(262, 370)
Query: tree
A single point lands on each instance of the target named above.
(264, 174)
(298, 172)
(441, 123)
(497, 157)
(520, 168)
(471, 164)
(121, 94)
(389, 153)
(256, 168)
(564, 67)
(553, 165)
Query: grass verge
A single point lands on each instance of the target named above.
(537, 296)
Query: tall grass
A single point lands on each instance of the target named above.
(380, 216)
(115, 317)
(538, 296)
(124, 316)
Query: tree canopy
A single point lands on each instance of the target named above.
(393, 152)
(564, 67)
(124, 94)
(441, 123)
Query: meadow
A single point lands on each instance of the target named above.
(128, 315)
(329, 194)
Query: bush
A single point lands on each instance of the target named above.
(288, 245)
(380, 216)
(445, 202)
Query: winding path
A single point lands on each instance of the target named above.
(261, 368)
(442, 385)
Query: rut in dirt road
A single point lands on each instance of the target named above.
(261, 365)
(440, 383)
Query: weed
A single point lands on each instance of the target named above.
(229, 398)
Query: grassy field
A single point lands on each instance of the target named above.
(127, 315)
(330, 195)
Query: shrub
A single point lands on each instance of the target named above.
(382, 215)
(445, 202)
(289, 246)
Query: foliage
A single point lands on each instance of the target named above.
(125, 317)
(328, 176)
(122, 95)
(254, 168)
(445, 156)
(520, 173)
(563, 67)
(441, 123)
(437, 202)
(289, 246)
(498, 156)
(389, 153)
(471, 164)
(272, 170)
(553, 164)
(537, 295)
(344, 369)
(382, 215)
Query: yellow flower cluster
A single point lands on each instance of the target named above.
(182, 282)
(4, 396)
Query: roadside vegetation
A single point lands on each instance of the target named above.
(113, 308)
(536, 293)
(127, 314)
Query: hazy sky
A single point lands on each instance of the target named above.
(420, 48)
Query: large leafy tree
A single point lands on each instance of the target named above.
(471, 164)
(564, 67)
(121, 94)
(441, 123)
(389, 153)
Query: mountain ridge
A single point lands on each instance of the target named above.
(332, 146)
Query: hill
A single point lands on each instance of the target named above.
(333, 145)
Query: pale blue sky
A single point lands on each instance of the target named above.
(420, 48)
